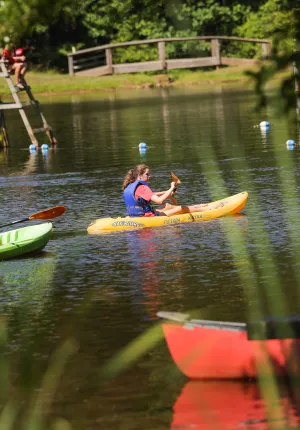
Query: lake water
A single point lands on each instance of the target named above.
(102, 292)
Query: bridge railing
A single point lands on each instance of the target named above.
(98, 61)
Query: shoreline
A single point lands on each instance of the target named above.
(45, 84)
(140, 87)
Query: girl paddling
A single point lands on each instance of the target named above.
(139, 197)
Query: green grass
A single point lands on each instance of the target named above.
(56, 83)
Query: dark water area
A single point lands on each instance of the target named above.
(102, 292)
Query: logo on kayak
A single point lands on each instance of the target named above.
(178, 220)
(172, 221)
(127, 224)
(197, 216)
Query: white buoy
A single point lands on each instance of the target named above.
(290, 144)
(143, 146)
(45, 146)
(264, 125)
(32, 147)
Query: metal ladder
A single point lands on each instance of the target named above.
(20, 106)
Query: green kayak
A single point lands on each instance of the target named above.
(24, 240)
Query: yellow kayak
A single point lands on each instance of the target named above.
(228, 206)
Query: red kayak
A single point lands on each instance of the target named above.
(204, 405)
(224, 350)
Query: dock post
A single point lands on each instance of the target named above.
(3, 131)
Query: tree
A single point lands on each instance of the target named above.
(278, 20)
(41, 24)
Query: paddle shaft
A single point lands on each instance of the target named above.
(46, 214)
(14, 222)
(177, 181)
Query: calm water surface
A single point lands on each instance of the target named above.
(105, 290)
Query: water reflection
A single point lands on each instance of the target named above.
(40, 159)
(231, 405)
(26, 286)
(202, 136)
(154, 251)
(265, 136)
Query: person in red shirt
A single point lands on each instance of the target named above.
(16, 64)
(138, 196)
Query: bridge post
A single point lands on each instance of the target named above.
(70, 65)
(109, 62)
(162, 55)
(266, 49)
(215, 51)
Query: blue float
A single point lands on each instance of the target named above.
(143, 146)
(32, 147)
(45, 146)
(290, 144)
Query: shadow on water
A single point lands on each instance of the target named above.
(37, 255)
(65, 234)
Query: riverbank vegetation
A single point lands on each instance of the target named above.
(49, 31)
(52, 83)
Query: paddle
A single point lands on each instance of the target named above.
(177, 182)
(46, 214)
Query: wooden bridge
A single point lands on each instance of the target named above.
(98, 61)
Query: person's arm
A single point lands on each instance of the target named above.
(19, 59)
(159, 193)
(160, 197)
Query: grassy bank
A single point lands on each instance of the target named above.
(51, 82)
(54, 83)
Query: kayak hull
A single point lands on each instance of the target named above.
(227, 206)
(216, 351)
(25, 240)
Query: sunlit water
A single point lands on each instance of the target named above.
(105, 290)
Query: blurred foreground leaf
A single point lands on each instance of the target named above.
(132, 352)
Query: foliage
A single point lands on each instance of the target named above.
(278, 20)
(25, 19)
(40, 26)
(50, 30)
(129, 20)
(53, 28)
(273, 20)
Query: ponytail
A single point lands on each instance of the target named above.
(129, 178)
(133, 174)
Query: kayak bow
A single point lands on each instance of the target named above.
(24, 240)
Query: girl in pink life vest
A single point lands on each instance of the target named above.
(17, 64)
(138, 196)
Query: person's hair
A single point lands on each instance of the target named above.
(133, 174)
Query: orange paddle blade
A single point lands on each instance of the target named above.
(49, 213)
(175, 179)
